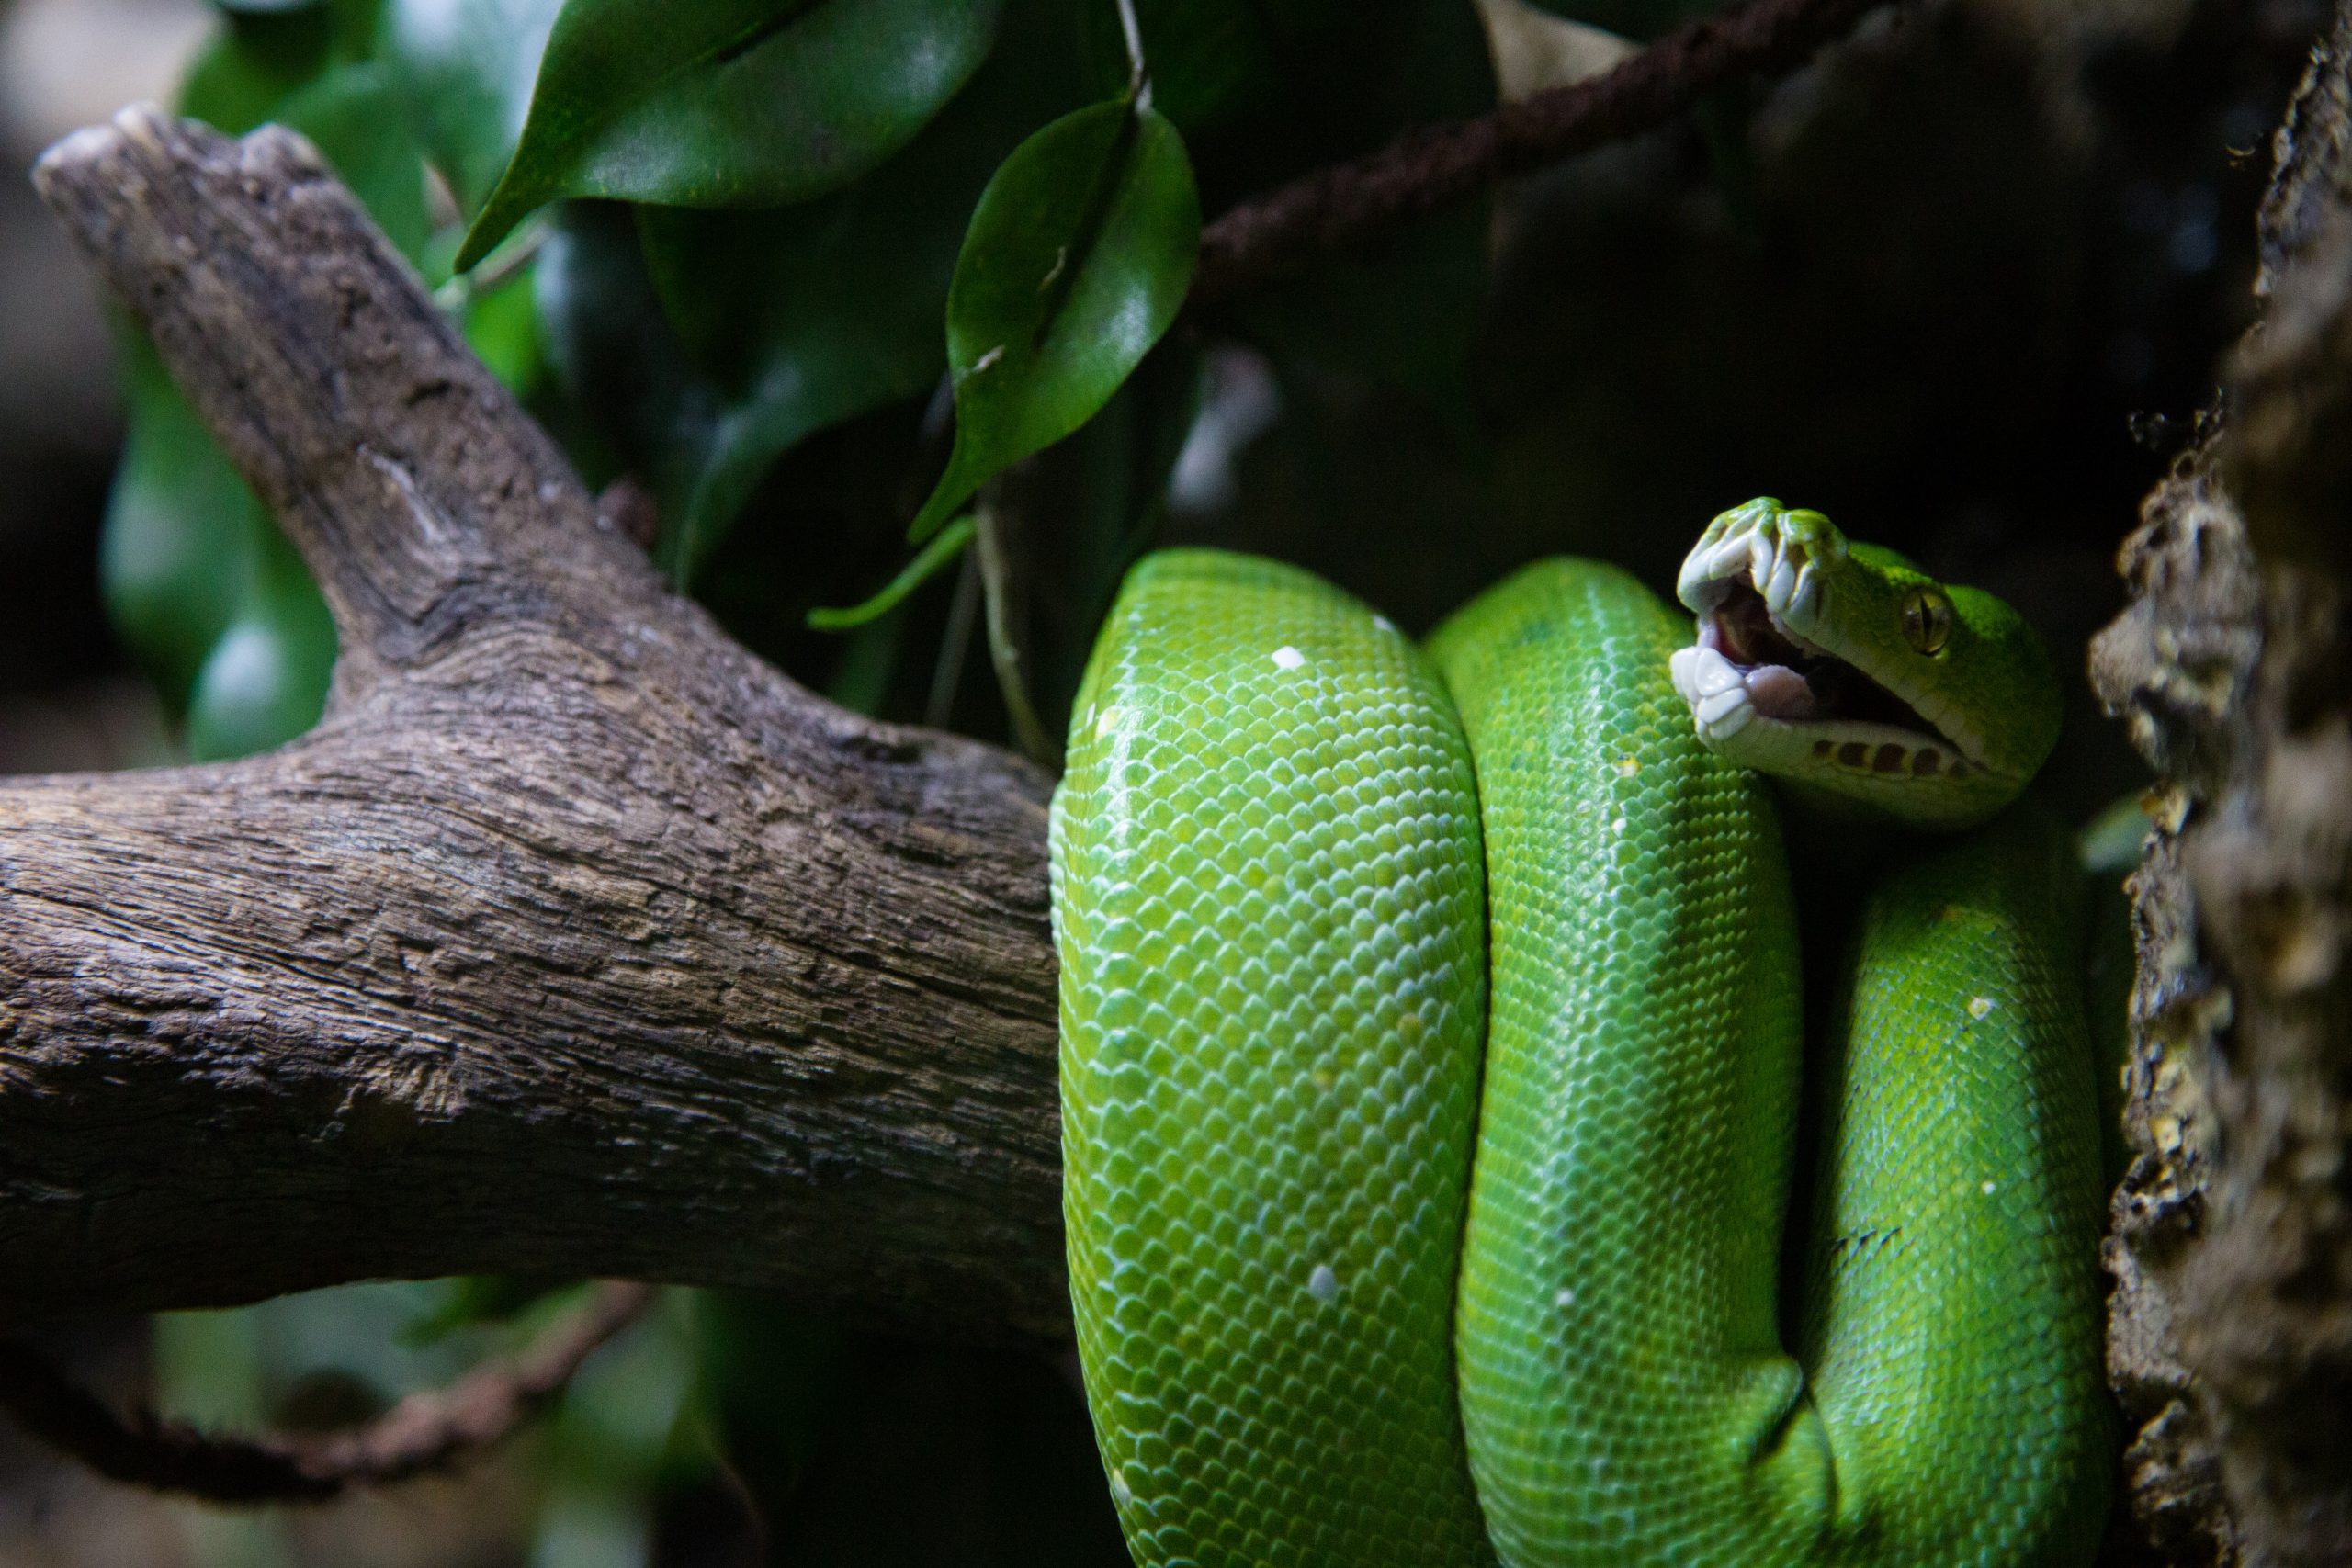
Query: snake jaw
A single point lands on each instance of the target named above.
(1778, 681)
(1785, 555)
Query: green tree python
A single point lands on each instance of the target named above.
(1431, 1062)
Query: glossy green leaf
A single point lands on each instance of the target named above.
(353, 114)
(730, 103)
(1077, 261)
(852, 324)
(266, 679)
(174, 558)
(503, 328)
(769, 325)
(946, 547)
(806, 316)
(465, 70)
(633, 397)
(252, 64)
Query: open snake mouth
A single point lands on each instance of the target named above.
(1855, 722)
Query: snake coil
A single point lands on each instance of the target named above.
(1430, 1075)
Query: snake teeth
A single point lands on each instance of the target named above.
(1717, 690)
(1780, 568)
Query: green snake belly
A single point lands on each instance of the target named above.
(1312, 1335)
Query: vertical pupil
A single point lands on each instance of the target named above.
(1924, 620)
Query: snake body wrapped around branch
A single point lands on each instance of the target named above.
(1432, 1059)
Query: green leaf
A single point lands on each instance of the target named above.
(1077, 261)
(838, 303)
(768, 325)
(353, 114)
(320, 32)
(206, 590)
(266, 679)
(465, 69)
(503, 328)
(806, 316)
(634, 398)
(926, 565)
(176, 554)
(252, 64)
(730, 103)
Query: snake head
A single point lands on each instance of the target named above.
(1845, 670)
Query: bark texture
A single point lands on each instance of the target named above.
(574, 940)
(2230, 1341)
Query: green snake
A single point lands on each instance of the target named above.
(1430, 1074)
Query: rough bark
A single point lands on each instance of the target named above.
(2231, 1330)
(574, 940)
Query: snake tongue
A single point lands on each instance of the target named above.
(1792, 679)
(1742, 630)
(1780, 692)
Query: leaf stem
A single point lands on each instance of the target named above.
(1138, 73)
(918, 571)
(504, 263)
(946, 675)
(1004, 644)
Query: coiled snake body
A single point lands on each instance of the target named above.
(1430, 1075)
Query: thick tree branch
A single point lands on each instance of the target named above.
(575, 941)
(424, 1432)
(1341, 208)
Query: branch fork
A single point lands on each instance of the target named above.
(574, 940)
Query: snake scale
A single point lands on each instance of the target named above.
(1432, 1064)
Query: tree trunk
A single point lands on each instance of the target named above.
(2231, 1335)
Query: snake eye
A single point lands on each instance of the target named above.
(1926, 619)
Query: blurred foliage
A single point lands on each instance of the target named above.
(823, 274)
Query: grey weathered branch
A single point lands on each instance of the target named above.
(574, 940)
